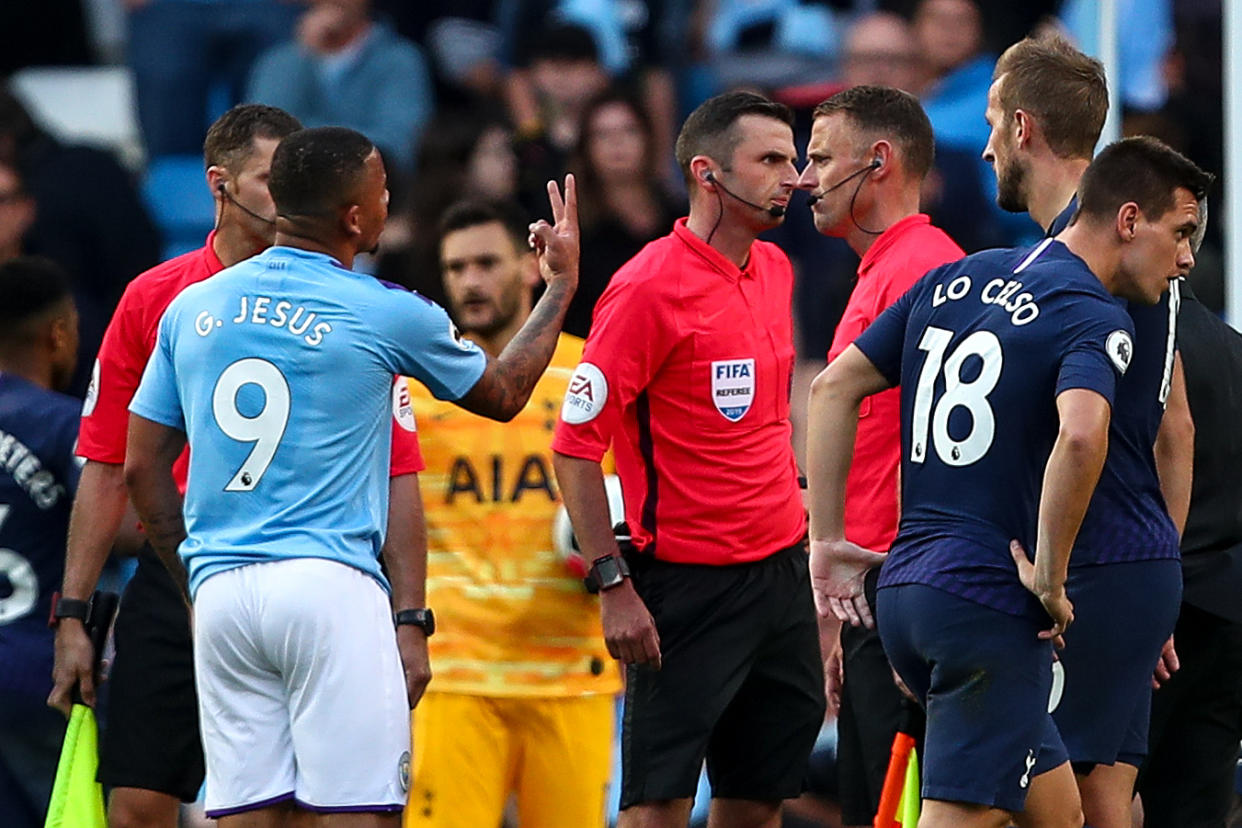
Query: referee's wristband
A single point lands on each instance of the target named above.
(68, 608)
(424, 619)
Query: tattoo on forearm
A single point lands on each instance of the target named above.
(525, 358)
(165, 531)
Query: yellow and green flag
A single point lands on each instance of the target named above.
(77, 799)
(900, 800)
(909, 806)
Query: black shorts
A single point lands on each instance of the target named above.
(742, 683)
(1196, 722)
(872, 709)
(152, 740)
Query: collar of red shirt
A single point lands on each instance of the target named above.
(214, 265)
(714, 258)
(889, 238)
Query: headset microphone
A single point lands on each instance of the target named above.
(224, 191)
(875, 164)
(775, 211)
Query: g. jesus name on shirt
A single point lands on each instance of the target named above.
(264, 310)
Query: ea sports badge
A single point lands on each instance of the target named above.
(733, 387)
(402, 406)
(92, 392)
(586, 396)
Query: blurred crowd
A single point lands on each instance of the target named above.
(491, 98)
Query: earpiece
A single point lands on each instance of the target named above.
(224, 193)
(709, 176)
(876, 163)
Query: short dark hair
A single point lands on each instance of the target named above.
(31, 286)
(315, 170)
(1143, 170)
(1064, 89)
(710, 129)
(472, 213)
(890, 113)
(230, 140)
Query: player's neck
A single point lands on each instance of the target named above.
(886, 211)
(233, 243)
(727, 238)
(29, 367)
(341, 250)
(1052, 187)
(1091, 244)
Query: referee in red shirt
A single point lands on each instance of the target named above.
(687, 374)
(869, 151)
(151, 757)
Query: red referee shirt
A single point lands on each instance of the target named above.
(894, 262)
(127, 345)
(687, 373)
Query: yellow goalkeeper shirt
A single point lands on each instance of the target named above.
(511, 620)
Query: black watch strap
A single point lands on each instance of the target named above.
(424, 619)
(68, 608)
(607, 571)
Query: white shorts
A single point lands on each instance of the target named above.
(301, 691)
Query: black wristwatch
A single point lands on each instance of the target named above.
(68, 608)
(424, 619)
(607, 571)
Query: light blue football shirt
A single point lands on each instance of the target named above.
(279, 370)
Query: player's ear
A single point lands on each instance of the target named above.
(351, 220)
(1128, 216)
(217, 177)
(880, 156)
(701, 170)
(1023, 127)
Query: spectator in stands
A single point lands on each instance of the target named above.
(621, 203)
(639, 48)
(89, 219)
(958, 72)
(769, 44)
(182, 52)
(547, 98)
(17, 212)
(465, 154)
(347, 69)
(880, 49)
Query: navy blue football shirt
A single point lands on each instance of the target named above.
(1063, 218)
(1128, 519)
(982, 348)
(38, 476)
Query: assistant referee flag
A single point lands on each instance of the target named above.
(77, 799)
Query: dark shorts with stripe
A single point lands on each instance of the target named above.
(1123, 614)
(151, 738)
(984, 678)
(741, 686)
